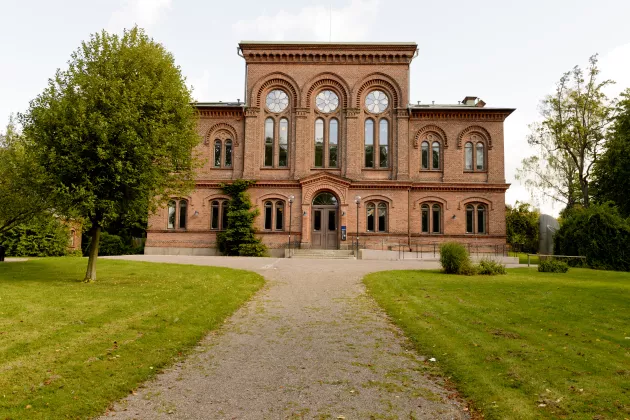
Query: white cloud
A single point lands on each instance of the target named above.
(314, 23)
(144, 13)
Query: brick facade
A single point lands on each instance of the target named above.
(351, 71)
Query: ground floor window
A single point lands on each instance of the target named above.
(274, 215)
(218, 214)
(476, 218)
(376, 214)
(177, 214)
(431, 219)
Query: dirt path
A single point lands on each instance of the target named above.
(310, 345)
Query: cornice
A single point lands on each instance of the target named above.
(329, 54)
(252, 112)
(467, 114)
(221, 113)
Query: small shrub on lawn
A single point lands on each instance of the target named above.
(490, 268)
(553, 266)
(455, 260)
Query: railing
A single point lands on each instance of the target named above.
(432, 249)
(292, 246)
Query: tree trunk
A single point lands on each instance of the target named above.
(90, 274)
(585, 196)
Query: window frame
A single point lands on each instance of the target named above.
(277, 118)
(376, 118)
(327, 118)
(476, 207)
(223, 146)
(274, 205)
(430, 142)
(176, 205)
(474, 144)
(429, 206)
(376, 206)
(222, 208)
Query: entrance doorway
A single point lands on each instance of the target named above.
(325, 221)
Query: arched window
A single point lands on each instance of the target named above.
(425, 155)
(369, 143)
(283, 143)
(274, 215)
(228, 153)
(383, 144)
(468, 156)
(333, 142)
(480, 156)
(172, 209)
(436, 156)
(269, 140)
(217, 153)
(218, 214)
(376, 214)
(319, 143)
(431, 218)
(277, 129)
(476, 218)
(177, 214)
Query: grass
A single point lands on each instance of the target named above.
(521, 346)
(522, 258)
(68, 349)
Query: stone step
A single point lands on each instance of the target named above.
(323, 257)
(323, 254)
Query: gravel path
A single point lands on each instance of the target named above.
(311, 344)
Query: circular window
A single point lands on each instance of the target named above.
(327, 101)
(376, 101)
(277, 101)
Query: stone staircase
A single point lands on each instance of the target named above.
(336, 254)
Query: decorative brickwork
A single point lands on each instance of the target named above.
(392, 194)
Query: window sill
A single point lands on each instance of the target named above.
(272, 168)
(316, 168)
(468, 171)
(377, 169)
(431, 170)
(273, 231)
(225, 168)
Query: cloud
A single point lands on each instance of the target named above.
(314, 23)
(144, 13)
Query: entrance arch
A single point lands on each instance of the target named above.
(325, 221)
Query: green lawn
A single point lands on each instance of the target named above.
(525, 345)
(68, 349)
(522, 258)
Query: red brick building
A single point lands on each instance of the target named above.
(326, 123)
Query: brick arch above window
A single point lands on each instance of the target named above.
(221, 131)
(430, 129)
(323, 81)
(308, 194)
(430, 199)
(378, 197)
(474, 129)
(478, 200)
(275, 81)
(377, 81)
(272, 196)
(213, 197)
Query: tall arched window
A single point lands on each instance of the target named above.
(319, 143)
(217, 153)
(468, 156)
(369, 143)
(476, 218)
(228, 153)
(431, 218)
(269, 129)
(274, 215)
(177, 214)
(277, 129)
(480, 157)
(283, 143)
(383, 144)
(333, 143)
(218, 214)
(435, 162)
(376, 214)
(425, 155)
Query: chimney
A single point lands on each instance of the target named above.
(469, 100)
(480, 104)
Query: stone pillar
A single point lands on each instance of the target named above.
(353, 150)
(343, 221)
(252, 144)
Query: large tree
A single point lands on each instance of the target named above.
(612, 171)
(115, 130)
(22, 192)
(521, 224)
(570, 138)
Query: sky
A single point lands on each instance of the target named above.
(509, 53)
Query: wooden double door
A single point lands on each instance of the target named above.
(324, 227)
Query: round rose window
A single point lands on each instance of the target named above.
(327, 101)
(277, 101)
(376, 101)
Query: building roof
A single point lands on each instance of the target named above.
(329, 44)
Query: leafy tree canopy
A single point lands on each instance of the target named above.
(522, 227)
(115, 130)
(612, 170)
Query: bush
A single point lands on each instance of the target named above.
(490, 268)
(599, 233)
(44, 236)
(553, 266)
(110, 245)
(454, 259)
